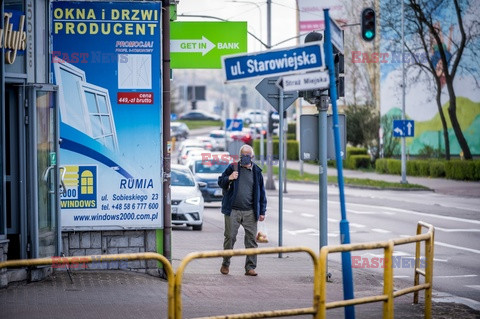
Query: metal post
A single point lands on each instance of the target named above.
(262, 147)
(285, 129)
(167, 220)
(280, 172)
(299, 132)
(270, 184)
(322, 170)
(344, 227)
(404, 157)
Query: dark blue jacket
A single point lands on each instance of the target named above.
(231, 188)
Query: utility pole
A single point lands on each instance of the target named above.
(270, 184)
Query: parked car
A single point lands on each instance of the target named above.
(187, 144)
(243, 136)
(256, 129)
(179, 130)
(187, 200)
(219, 136)
(254, 116)
(207, 169)
(198, 115)
(209, 143)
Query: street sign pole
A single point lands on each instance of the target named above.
(280, 171)
(344, 227)
(322, 173)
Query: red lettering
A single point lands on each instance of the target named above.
(384, 57)
(356, 57)
(205, 157)
(356, 261)
(365, 263)
(374, 263)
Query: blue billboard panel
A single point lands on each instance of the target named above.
(106, 61)
(274, 62)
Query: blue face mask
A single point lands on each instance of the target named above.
(245, 159)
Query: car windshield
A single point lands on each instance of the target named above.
(209, 167)
(217, 135)
(181, 178)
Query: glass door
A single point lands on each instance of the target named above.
(45, 170)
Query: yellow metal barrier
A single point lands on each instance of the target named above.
(252, 251)
(103, 258)
(388, 294)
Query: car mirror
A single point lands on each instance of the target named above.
(202, 184)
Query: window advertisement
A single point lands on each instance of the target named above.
(106, 60)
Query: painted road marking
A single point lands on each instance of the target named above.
(458, 230)
(458, 219)
(357, 225)
(382, 231)
(457, 276)
(333, 220)
(307, 215)
(438, 243)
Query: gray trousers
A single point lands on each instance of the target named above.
(232, 223)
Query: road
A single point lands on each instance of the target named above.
(378, 215)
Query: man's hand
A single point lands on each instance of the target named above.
(233, 176)
(261, 218)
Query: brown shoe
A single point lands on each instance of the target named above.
(250, 272)
(224, 270)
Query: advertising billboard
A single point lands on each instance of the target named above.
(106, 61)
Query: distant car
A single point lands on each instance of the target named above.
(219, 136)
(179, 130)
(209, 143)
(207, 169)
(187, 200)
(186, 145)
(199, 116)
(254, 116)
(257, 129)
(243, 136)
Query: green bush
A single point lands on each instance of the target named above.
(394, 166)
(292, 128)
(292, 148)
(381, 166)
(423, 168)
(412, 168)
(437, 169)
(477, 170)
(359, 161)
(356, 151)
(460, 170)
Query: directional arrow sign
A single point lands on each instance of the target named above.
(308, 57)
(403, 128)
(201, 45)
(307, 81)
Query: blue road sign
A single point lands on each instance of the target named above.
(173, 117)
(306, 57)
(234, 124)
(403, 128)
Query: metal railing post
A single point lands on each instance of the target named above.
(388, 281)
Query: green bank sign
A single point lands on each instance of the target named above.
(201, 45)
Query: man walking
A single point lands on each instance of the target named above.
(244, 203)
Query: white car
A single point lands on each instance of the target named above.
(187, 199)
(254, 116)
(219, 137)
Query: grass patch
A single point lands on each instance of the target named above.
(200, 124)
(294, 176)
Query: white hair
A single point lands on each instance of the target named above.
(246, 147)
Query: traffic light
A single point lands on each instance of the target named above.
(270, 122)
(368, 24)
(339, 64)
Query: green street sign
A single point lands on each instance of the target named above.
(201, 45)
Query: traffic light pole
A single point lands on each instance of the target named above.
(344, 227)
(280, 171)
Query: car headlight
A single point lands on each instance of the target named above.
(193, 200)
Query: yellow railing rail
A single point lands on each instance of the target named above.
(388, 294)
(319, 307)
(252, 251)
(103, 258)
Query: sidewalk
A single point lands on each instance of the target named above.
(438, 185)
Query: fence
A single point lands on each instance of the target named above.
(388, 293)
(319, 306)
